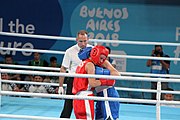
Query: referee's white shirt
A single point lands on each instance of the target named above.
(71, 59)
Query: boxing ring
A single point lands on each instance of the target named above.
(51, 108)
(23, 105)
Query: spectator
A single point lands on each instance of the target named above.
(8, 86)
(158, 67)
(52, 89)
(37, 61)
(168, 96)
(52, 79)
(37, 88)
(9, 60)
(53, 63)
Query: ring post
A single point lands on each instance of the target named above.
(0, 87)
(158, 98)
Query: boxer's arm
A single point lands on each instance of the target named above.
(90, 69)
(112, 70)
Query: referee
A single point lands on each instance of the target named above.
(70, 62)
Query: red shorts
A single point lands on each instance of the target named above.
(84, 109)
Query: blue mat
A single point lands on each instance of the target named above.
(53, 107)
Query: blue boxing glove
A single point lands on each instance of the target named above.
(104, 82)
(101, 71)
(84, 53)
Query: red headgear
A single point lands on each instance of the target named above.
(96, 52)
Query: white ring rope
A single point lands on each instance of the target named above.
(33, 50)
(30, 67)
(88, 75)
(149, 74)
(111, 55)
(93, 40)
(75, 97)
(31, 117)
(117, 88)
(45, 95)
(122, 73)
(33, 83)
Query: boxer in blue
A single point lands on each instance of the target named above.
(105, 110)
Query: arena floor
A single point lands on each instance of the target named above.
(53, 107)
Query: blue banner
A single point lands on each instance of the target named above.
(108, 19)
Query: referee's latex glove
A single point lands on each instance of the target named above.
(61, 91)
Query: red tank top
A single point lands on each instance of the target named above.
(81, 84)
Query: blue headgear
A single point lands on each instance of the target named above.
(84, 53)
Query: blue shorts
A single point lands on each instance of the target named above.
(107, 109)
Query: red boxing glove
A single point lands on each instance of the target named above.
(107, 82)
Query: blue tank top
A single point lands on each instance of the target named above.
(157, 67)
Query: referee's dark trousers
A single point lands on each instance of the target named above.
(68, 105)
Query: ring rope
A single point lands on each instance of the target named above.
(30, 117)
(33, 83)
(45, 95)
(111, 55)
(32, 50)
(93, 40)
(89, 75)
(64, 85)
(122, 73)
